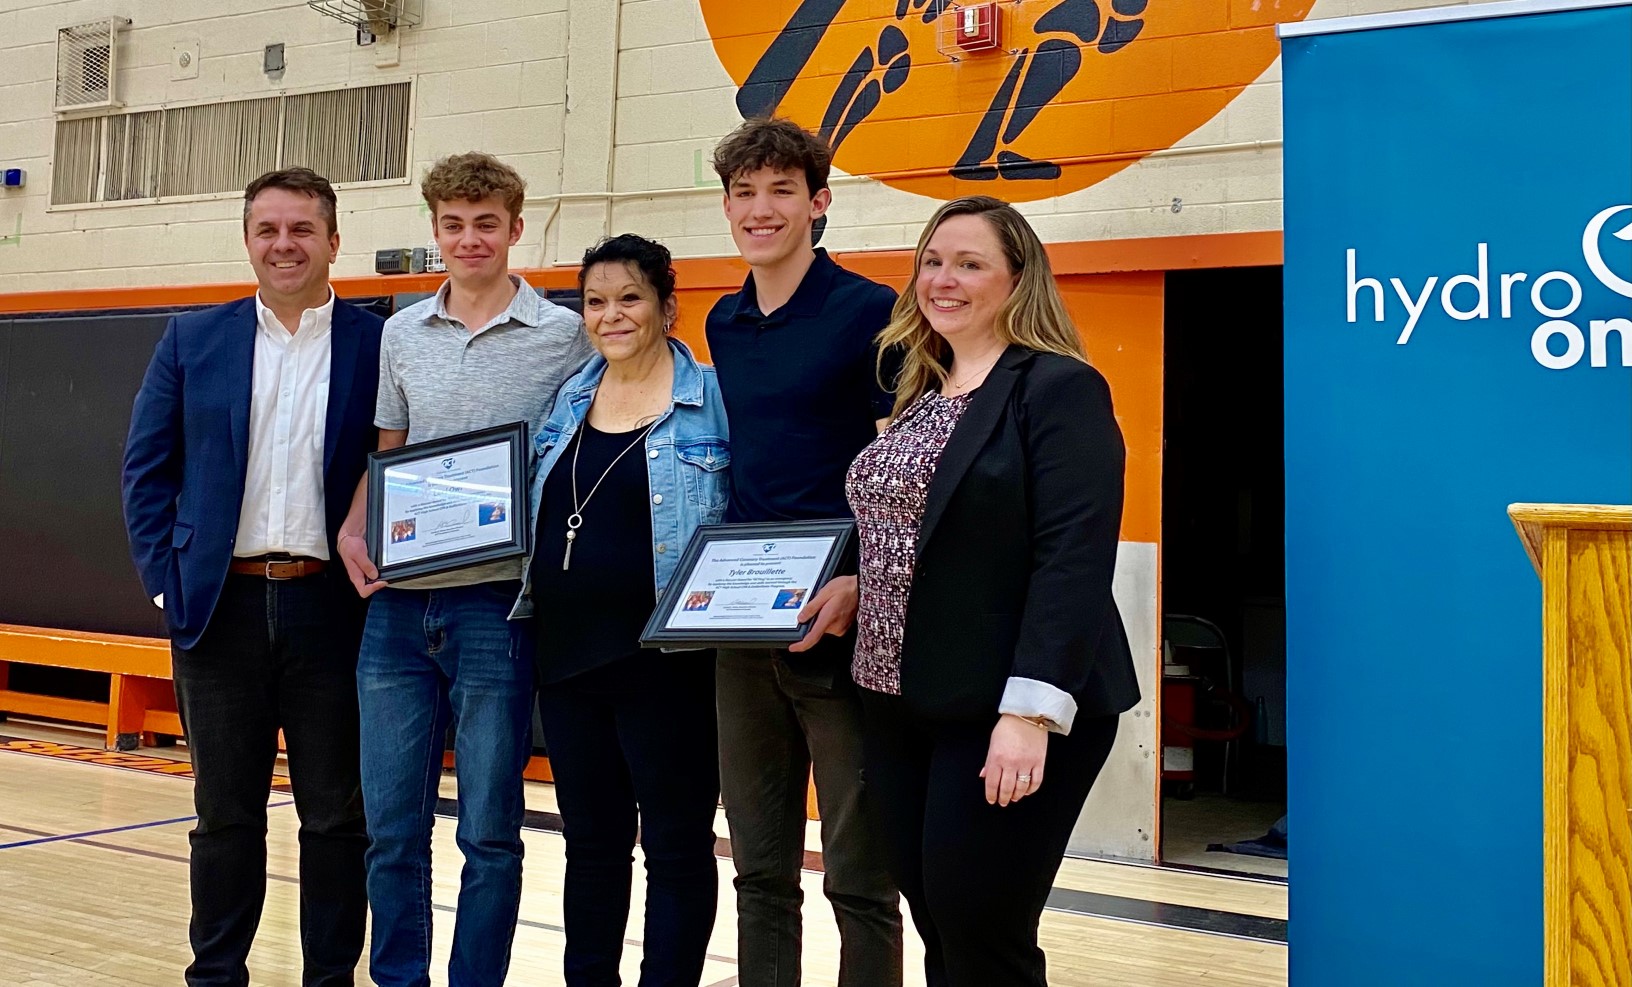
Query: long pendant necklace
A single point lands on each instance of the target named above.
(576, 520)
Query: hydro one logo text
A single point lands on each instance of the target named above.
(1559, 340)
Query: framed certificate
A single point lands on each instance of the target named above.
(743, 585)
(449, 503)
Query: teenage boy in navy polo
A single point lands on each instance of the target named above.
(797, 367)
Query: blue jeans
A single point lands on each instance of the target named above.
(428, 656)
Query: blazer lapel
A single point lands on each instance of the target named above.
(344, 339)
(241, 356)
(969, 437)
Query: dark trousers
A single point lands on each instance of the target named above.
(775, 728)
(633, 742)
(976, 876)
(278, 654)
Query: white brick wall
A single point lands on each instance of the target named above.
(490, 74)
(533, 81)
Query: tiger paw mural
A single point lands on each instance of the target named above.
(1078, 90)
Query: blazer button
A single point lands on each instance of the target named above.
(661, 548)
(652, 454)
(657, 498)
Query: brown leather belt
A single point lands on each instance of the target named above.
(277, 567)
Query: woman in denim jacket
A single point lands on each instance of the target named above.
(631, 460)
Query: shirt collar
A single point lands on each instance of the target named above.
(322, 316)
(807, 299)
(527, 307)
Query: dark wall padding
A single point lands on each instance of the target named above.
(66, 386)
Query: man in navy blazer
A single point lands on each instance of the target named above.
(251, 429)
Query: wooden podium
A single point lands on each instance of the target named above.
(1584, 557)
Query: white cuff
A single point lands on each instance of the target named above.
(158, 601)
(1032, 697)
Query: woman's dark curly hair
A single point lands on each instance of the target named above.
(649, 257)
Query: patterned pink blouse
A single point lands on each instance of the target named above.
(888, 486)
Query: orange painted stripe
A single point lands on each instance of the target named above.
(703, 273)
(1167, 253)
(111, 759)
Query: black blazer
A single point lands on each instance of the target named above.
(1017, 548)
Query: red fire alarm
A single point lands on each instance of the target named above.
(974, 27)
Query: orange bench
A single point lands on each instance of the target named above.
(141, 699)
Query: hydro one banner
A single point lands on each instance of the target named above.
(1458, 338)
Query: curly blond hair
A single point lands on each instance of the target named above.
(471, 177)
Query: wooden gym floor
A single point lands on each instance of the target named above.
(93, 867)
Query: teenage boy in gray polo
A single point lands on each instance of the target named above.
(486, 350)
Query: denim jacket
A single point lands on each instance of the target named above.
(687, 453)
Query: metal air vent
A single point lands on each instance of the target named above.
(88, 64)
(377, 17)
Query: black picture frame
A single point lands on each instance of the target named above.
(658, 634)
(519, 509)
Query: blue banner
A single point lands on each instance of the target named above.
(1458, 338)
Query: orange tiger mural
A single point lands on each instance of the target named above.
(1077, 90)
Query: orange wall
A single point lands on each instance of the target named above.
(1119, 316)
(1120, 319)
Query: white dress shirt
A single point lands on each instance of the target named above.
(282, 509)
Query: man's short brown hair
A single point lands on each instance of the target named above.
(471, 177)
(302, 180)
(778, 144)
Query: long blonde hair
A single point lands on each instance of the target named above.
(1034, 316)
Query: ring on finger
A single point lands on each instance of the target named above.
(1024, 779)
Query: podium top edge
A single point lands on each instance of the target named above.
(1600, 516)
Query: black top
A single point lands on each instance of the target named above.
(1017, 548)
(801, 391)
(592, 613)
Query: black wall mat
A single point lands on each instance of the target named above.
(67, 382)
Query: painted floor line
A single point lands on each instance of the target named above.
(114, 829)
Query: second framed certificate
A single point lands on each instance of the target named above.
(449, 503)
(743, 585)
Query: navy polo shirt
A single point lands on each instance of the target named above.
(801, 391)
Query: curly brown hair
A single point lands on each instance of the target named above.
(775, 143)
(471, 177)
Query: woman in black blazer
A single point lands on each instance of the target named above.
(991, 657)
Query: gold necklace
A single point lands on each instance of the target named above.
(958, 385)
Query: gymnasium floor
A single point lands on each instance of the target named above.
(93, 869)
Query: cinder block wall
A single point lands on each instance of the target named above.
(605, 101)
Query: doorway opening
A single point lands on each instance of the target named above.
(1223, 730)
